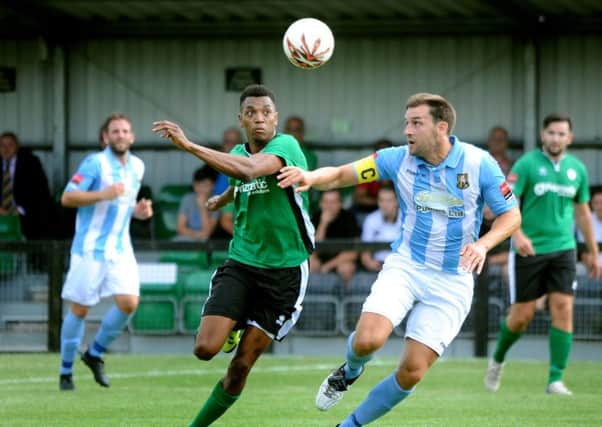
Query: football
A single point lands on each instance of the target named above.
(308, 43)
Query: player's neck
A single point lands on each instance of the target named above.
(439, 154)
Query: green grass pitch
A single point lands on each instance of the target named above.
(168, 390)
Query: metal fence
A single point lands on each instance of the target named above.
(175, 282)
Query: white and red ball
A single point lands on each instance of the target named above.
(308, 43)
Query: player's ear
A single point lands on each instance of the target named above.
(443, 127)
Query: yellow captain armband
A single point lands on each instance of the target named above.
(366, 170)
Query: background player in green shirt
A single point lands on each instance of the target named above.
(262, 285)
(554, 192)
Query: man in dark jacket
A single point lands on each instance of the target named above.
(24, 188)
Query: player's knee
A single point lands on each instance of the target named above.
(410, 374)
(364, 344)
(204, 350)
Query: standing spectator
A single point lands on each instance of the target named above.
(382, 225)
(25, 189)
(497, 144)
(295, 126)
(334, 222)
(554, 193)
(102, 264)
(194, 221)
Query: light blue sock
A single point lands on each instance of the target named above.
(355, 364)
(383, 397)
(72, 332)
(111, 326)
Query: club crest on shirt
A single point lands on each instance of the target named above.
(462, 181)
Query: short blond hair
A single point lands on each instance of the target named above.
(440, 108)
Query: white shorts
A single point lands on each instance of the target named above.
(89, 280)
(441, 301)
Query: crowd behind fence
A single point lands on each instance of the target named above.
(175, 280)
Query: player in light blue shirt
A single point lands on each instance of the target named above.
(441, 185)
(102, 264)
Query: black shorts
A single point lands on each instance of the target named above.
(534, 276)
(268, 298)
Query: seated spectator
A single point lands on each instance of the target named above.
(334, 222)
(225, 223)
(195, 221)
(596, 206)
(230, 138)
(365, 196)
(382, 225)
(25, 190)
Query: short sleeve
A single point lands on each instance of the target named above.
(583, 195)
(494, 188)
(85, 177)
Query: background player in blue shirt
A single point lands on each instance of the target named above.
(442, 185)
(102, 264)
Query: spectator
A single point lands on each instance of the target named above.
(230, 139)
(295, 126)
(596, 206)
(195, 222)
(365, 196)
(334, 222)
(382, 225)
(497, 144)
(25, 189)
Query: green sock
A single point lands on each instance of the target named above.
(505, 339)
(560, 348)
(217, 403)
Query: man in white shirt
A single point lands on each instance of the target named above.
(382, 225)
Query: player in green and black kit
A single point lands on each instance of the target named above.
(554, 193)
(262, 285)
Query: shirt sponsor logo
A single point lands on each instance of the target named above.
(541, 188)
(258, 186)
(439, 201)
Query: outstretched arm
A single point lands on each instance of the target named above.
(325, 178)
(239, 167)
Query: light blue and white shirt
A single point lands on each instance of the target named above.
(102, 229)
(442, 206)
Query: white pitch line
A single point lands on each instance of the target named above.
(180, 372)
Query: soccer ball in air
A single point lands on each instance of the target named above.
(308, 43)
